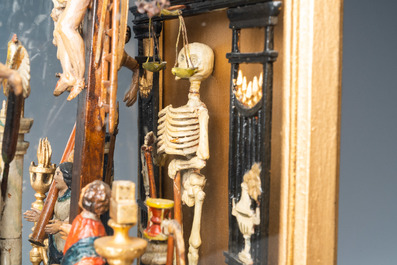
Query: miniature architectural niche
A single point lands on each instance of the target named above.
(252, 126)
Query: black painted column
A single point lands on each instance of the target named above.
(148, 108)
(250, 127)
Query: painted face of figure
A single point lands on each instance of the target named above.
(58, 180)
(202, 58)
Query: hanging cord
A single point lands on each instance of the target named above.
(155, 44)
(150, 39)
(177, 42)
(185, 42)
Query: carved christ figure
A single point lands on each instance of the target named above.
(183, 132)
(67, 16)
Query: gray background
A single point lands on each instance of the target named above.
(368, 194)
(54, 117)
(367, 217)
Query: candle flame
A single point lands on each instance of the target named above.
(248, 93)
(249, 90)
(239, 78)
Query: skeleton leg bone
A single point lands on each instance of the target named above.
(195, 238)
(193, 195)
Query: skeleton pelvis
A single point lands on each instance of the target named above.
(193, 183)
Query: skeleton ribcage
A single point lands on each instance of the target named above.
(178, 131)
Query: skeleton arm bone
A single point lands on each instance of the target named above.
(178, 165)
(203, 149)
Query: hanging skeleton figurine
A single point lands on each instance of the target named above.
(183, 132)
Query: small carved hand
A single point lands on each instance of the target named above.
(150, 139)
(32, 215)
(245, 228)
(53, 227)
(16, 82)
(64, 230)
(234, 211)
(131, 95)
(173, 168)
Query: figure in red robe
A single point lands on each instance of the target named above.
(86, 227)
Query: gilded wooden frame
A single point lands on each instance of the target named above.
(307, 133)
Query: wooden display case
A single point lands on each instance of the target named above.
(293, 132)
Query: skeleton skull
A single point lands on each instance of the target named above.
(201, 56)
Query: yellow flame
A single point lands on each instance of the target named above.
(239, 78)
(249, 90)
(255, 86)
(260, 80)
(248, 93)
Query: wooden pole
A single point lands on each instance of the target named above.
(170, 250)
(149, 164)
(90, 124)
(177, 198)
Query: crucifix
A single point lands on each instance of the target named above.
(101, 44)
(104, 35)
